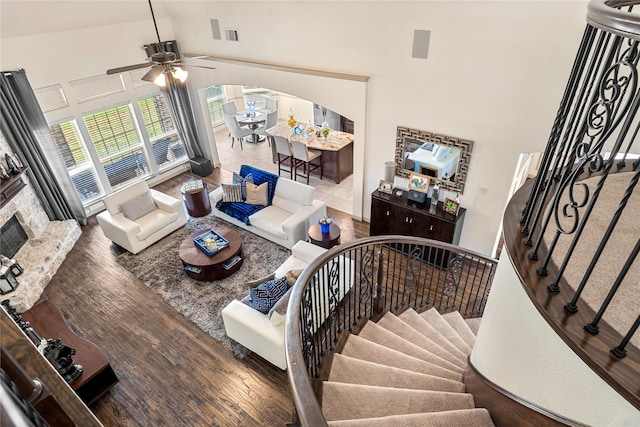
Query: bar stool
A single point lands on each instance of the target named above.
(283, 153)
(303, 156)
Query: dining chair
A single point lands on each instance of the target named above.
(283, 153)
(272, 120)
(229, 108)
(303, 157)
(235, 130)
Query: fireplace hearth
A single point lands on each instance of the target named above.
(12, 237)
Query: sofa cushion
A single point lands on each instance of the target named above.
(231, 192)
(257, 194)
(260, 176)
(239, 210)
(264, 296)
(237, 179)
(153, 222)
(139, 206)
(295, 191)
(286, 204)
(270, 219)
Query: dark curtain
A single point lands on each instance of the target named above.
(177, 97)
(26, 130)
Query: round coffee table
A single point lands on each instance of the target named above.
(200, 266)
(325, 240)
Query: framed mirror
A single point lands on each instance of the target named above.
(443, 158)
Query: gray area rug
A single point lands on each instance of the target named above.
(160, 268)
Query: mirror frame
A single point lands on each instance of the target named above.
(422, 136)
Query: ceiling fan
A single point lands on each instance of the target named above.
(163, 57)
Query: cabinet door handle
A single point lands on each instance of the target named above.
(431, 227)
(388, 212)
(410, 220)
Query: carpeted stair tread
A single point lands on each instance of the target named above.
(345, 369)
(342, 401)
(378, 334)
(436, 320)
(464, 417)
(363, 349)
(461, 327)
(392, 323)
(474, 324)
(413, 319)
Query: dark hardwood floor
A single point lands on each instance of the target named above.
(171, 373)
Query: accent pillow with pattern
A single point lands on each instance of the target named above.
(265, 296)
(238, 179)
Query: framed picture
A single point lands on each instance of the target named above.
(385, 186)
(451, 206)
(419, 182)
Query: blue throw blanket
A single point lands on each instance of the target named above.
(242, 211)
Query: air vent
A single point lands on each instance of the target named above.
(232, 35)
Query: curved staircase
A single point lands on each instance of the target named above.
(404, 370)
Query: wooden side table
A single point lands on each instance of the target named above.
(325, 240)
(197, 201)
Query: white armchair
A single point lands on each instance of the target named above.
(138, 216)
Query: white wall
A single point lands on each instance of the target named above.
(495, 73)
(518, 350)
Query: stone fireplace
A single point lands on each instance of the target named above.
(47, 245)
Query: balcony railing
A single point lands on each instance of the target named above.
(578, 219)
(356, 282)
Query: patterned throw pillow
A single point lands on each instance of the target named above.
(231, 193)
(257, 194)
(237, 179)
(264, 296)
(138, 207)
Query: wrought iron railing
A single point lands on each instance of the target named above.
(594, 138)
(362, 280)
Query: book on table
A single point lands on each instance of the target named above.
(230, 263)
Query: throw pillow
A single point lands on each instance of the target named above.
(138, 207)
(237, 179)
(231, 192)
(292, 276)
(264, 296)
(257, 194)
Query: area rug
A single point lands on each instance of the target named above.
(159, 267)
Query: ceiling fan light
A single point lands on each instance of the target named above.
(180, 74)
(161, 80)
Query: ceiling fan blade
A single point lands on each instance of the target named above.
(153, 73)
(127, 68)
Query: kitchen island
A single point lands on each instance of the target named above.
(337, 150)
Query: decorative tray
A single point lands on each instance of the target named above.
(203, 242)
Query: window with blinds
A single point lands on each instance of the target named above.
(51, 98)
(215, 98)
(115, 137)
(96, 87)
(256, 94)
(166, 144)
(77, 161)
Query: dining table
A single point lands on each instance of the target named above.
(337, 149)
(253, 123)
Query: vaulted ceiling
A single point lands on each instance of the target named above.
(26, 17)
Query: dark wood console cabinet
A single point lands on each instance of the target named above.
(391, 214)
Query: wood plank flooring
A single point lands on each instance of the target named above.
(171, 373)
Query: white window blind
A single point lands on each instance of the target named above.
(76, 160)
(135, 77)
(118, 145)
(167, 146)
(96, 87)
(51, 98)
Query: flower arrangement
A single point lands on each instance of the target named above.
(325, 220)
(324, 131)
(325, 223)
(292, 122)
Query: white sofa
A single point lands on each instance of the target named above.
(261, 333)
(135, 235)
(287, 220)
